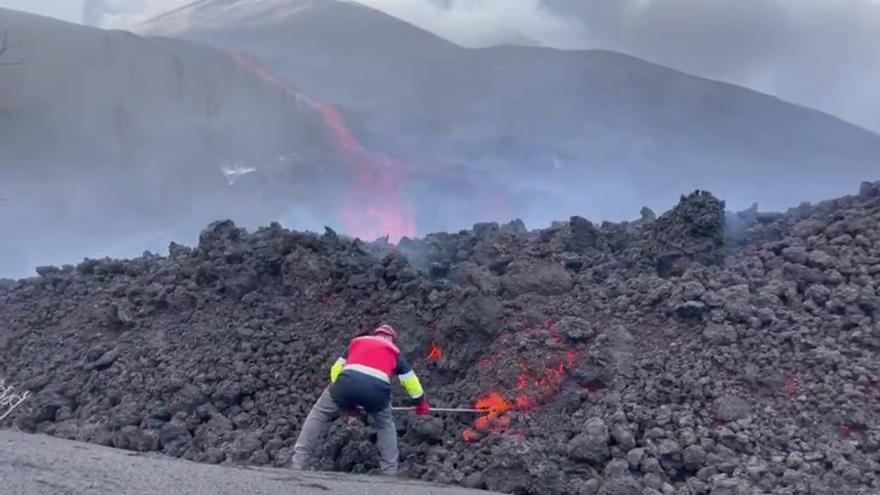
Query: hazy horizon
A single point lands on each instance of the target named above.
(113, 144)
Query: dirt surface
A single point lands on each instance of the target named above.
(37, 464)
(698, 352)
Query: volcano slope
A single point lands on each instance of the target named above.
(694, 353)
(590, 130)
(89, 116)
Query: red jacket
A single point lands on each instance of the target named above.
(378, 358)
(374, 356)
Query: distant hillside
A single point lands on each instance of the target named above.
(109, 140)
(592, 132)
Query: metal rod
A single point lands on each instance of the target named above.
(445, 409)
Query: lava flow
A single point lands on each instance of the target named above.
(495, 421)
(436, 352)
(538, 381)
(435, 355)
(375, 206)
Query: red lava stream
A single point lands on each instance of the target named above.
(375, 206)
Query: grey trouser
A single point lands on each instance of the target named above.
(323, 412)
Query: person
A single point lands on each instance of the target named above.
(361, 378)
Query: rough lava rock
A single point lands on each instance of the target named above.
(695, 353)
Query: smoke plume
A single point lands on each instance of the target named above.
(820, 53)
(480, 23)
(125, 14)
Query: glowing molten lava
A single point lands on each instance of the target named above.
(494, 403)
(469, 435)
(375, 206)
(495, 420)
(436, 354)
(540, 377)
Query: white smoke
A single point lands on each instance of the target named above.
(480, 23)
(126, 14)
(823, 54)
(473, 23)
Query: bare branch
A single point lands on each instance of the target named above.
(10, 399)
(4, 46)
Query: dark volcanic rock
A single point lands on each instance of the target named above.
(664, 356)
(539, 277)
(870, 190)
(621, 486)
(691, 232)
(592, 445)
(732, 408)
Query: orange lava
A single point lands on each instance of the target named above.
(436, 354)
(494, 403)
(495, 421)
(375, 207)
(538, 381)
(491, 424)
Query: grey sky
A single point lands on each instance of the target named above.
(68, 10)
(820, 53)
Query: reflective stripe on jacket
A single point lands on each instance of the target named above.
(380, 359)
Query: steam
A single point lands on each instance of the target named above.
(474, 23)
(824, 54)
(481, 23)
(126, 14)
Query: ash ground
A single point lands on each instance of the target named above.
(37, 465)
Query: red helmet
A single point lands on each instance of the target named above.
(386, 330)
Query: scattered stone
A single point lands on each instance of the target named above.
(795, 254)
(542, 278)
(731, 407)
(575, 329)
(592, 445)
(634, 457)
(794, 460)
(693, 457)
(720, 334)
(625, 485)
(623, 437)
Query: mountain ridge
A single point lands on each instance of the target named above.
(554, 117)
(106, 136)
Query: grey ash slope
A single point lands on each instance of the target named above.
(107, 138)
(601, 130)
